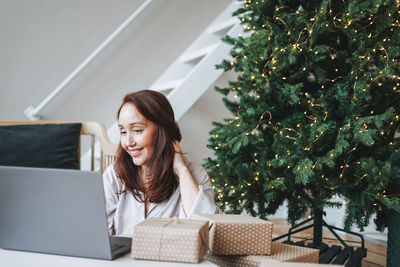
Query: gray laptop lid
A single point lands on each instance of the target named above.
(54, 211)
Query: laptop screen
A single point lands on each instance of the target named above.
(53, 211)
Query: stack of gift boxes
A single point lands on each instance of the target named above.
(224, 239)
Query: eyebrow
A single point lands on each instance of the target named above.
(133, 124)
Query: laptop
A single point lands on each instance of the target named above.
(56, 211)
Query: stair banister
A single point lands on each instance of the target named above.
(33, 113)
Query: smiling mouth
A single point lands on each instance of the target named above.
(135, 152)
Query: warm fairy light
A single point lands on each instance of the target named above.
(362, 89)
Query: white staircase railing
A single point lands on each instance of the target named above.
(33, 113)
(193, 72)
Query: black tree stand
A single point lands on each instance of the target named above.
(334, 254)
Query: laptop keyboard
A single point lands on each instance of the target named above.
(115, 247)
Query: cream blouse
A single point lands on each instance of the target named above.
(124, 211)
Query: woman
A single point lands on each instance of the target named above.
(150, 177)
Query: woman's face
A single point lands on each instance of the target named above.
(137, 134)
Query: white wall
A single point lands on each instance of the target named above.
(42, 41)
(197, 122)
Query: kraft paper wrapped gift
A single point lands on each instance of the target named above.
(170, 240)
(232, 234)
(281, 253)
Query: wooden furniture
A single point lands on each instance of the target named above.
(95, 130)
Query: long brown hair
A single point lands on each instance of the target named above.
(156, 108)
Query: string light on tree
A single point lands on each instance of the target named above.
(315, 104)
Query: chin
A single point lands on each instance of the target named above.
(137, 162)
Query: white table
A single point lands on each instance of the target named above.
(11, 258)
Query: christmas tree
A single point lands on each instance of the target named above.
(315, 109)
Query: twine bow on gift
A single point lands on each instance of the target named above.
(168, 221)
(173, 221)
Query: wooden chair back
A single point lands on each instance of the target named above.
(95, 130)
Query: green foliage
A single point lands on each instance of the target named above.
(315, 109)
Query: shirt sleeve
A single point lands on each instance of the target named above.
(204, 202)
(111, 196)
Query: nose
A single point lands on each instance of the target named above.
(129, 140)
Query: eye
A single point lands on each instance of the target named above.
(137, 131)
(122, 132)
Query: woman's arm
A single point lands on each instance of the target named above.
(111, 198)
(188, 185)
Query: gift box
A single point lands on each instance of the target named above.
(170, 240)
(281, 253)
(238, 234)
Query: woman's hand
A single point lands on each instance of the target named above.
(188, 185)
(179, 165)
